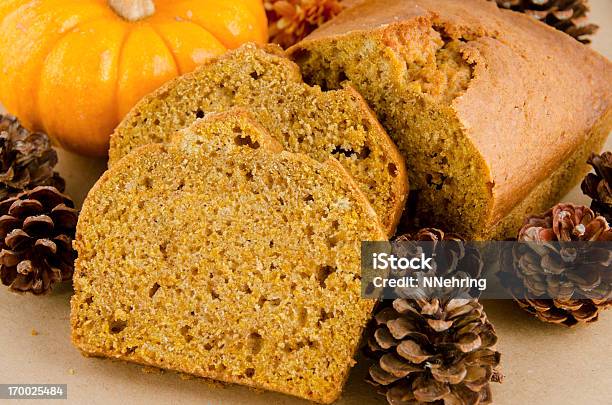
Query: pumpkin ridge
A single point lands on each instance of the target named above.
(166, 8)
(37, 78)
(202, 28)
(221, 41)
(168, 47)
(11, 11)
(263, 25)
(128, 32)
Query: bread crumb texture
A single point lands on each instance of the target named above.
(472, 96)
(302, 118)
(221, 256)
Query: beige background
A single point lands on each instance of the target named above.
(543, 364)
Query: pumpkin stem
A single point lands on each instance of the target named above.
(133, 10)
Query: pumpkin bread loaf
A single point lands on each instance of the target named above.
(495, 112)
(221, 256)
(302, 118)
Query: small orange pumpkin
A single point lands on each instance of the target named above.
(74, 68)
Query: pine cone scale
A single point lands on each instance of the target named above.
(400, 327)
(37, 226)
(385, 339)
(401, 394)
(8, 176)
(380, 376)
(395, 366)
(439, 325)
(49, 196)
(45, 247)
(537, 14)
(8, 258)
(468, 342)
(477, 377)
(412, 351)
(403, 307)
(486, 356)
(453, 374)
(465, 396)
(429, 390)
(7, 224)
(17, 239)
(64, 215)
(21, 208)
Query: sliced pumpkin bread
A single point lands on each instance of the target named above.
(221, 256)
(302, 118)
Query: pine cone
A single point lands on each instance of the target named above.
(36, 232)
(433, 351)
(560, 282)
(598, 185)
(26, 159)
(291, 20)
(569, 16)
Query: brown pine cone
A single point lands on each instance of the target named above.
(433, 351)
(569, 16)
(560, 282)
(290, 21)
(430, 234)
(36, 232)
(598, 185)
(26, 159)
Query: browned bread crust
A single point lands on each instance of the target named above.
(530, 99)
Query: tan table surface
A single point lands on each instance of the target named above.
(543, 364)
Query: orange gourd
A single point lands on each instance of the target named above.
(74, 68)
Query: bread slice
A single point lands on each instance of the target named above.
(495, 112)
(219, 256)
(302, 118)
